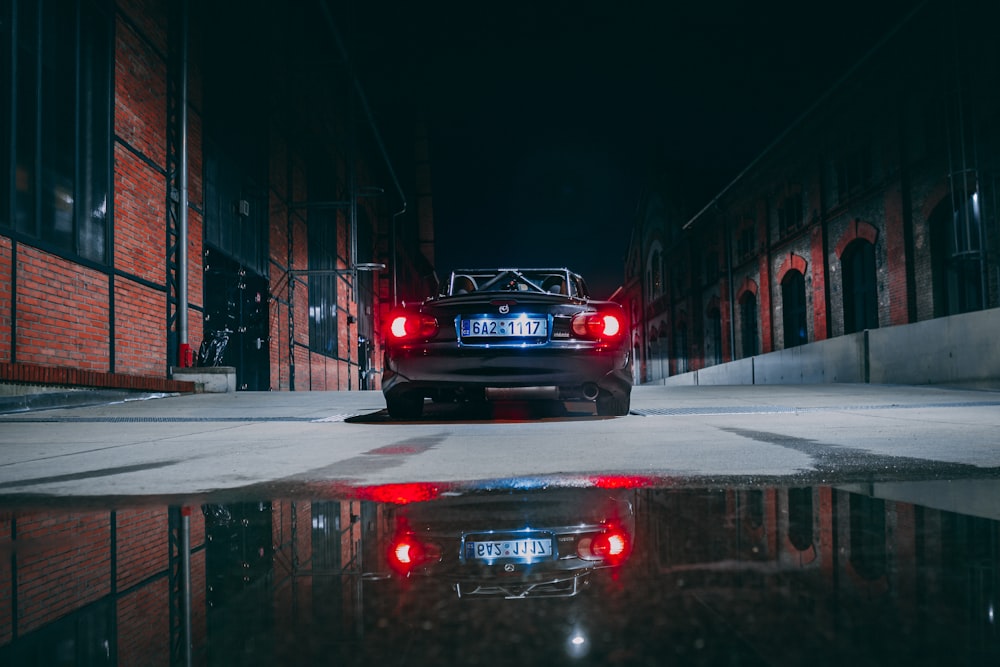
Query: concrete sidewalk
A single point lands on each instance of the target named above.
(243, 442)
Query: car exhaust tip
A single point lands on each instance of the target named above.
(590, 391)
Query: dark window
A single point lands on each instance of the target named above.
(60, 147)
(714, 337)
(748, 324)
(867, 526)
(854, 173)
(711, 269)
(6, 104)
(790, 214)
(681, 348)
(958, 260)
(793, 301)
(800, 518)
(655, 280)
(746, 242)
(323, 286)
(860, 288)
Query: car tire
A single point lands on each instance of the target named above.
(609, 405)
(407, 406)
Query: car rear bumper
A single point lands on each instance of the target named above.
(499, 373)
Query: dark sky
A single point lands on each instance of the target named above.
(543, 115)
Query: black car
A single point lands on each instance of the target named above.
(508, 334)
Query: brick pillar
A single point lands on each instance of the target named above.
(896, 257)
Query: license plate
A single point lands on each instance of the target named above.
(505, 327)
(520, 549)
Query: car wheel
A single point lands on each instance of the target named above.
(407, 406)
(609, 405)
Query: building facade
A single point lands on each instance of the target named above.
(199, 184)
(877, 207)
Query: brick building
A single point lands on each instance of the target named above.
(170, 171)
(877, 207)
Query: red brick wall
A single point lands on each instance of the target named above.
(63, 566)
(62, 312)
(6, 278)
(143, 544)
(144, 625)
(140, 218)
(896, 258)
(140, 345)
(64, 562)
(140, 86)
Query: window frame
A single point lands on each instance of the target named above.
(68, 210)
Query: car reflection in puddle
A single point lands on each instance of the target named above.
(611, 571)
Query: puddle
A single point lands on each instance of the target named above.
(614, 571)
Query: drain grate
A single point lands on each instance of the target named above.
(782, 409)
(670, 412)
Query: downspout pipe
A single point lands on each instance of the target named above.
(182, 205)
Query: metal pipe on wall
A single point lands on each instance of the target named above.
(182, 205)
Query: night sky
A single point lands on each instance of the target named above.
(544, 115)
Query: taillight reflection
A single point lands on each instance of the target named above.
(404, 326)
(613, 546)
(406, 552)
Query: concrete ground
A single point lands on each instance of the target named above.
(295, 442)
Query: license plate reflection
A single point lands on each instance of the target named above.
(519, 549)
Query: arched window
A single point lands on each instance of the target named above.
(860, 287)
(748, 324)
(793, 301)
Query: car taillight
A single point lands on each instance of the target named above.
(410, 326)
(612, 546)
(598, 326)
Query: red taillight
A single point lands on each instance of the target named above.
(404, 553)
(409, 326)
(606, 325)
(612, 546)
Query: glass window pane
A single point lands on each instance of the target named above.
(26, 119)
(95, 137)
(6, 109)
(58, 143)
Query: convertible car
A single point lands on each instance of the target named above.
(507, 334)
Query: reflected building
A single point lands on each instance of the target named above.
(768, 575)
